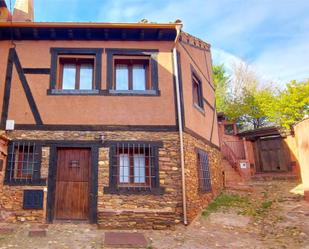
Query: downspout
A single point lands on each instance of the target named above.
(182, 160)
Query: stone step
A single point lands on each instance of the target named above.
(38, 230)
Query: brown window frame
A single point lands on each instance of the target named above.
(130, 61)
(150, 186)
(197, 91)
(78, 61)
(131, 152)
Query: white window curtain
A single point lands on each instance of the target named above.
(124, 168)
(122, 77)
(68, 77)
(139, 168)
(86, 74)
(139, 77)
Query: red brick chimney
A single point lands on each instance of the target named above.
(23, 11)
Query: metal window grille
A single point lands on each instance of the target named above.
(204, 172)
(133, 165)
(22, 162)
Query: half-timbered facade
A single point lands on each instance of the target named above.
(109, 123)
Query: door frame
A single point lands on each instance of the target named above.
(52, 174)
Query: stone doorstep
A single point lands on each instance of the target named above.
(125, 240)
(39, 230)
(37, 233)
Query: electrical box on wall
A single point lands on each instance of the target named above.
(243, 165)
(9, 126)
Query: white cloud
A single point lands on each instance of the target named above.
(229, 60)
(286, 62)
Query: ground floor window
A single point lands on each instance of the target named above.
(23, 162)
(134, 165)
(203, 171)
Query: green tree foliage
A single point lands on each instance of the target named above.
(221, 81)
(291, 104)
(243, 99)
(252, 108)
(240, 98)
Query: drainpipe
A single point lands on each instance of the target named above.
(182, 160)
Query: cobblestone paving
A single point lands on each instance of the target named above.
(286, 225)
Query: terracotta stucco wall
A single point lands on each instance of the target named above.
(226, 137)
(291, 144)
(104, 110)
(204, 124)
(302, 138)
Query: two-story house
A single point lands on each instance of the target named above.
(110, 123)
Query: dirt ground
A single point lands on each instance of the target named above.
(272, 217)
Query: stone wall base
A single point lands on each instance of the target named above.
(132, 219)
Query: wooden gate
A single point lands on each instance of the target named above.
(271, 155)
(72, 184)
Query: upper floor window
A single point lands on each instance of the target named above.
(75, 70)
(76, 74)
(197, 91)
(131, 73)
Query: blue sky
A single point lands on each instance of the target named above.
(271, 35)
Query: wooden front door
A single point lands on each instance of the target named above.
(273, 156)
(72, 184)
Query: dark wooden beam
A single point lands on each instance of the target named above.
(70, 34)
(17, 33)
(159, 34)
(53, 34)
(106, 35)
(142, 34)
(35, 33)
(25, 85)
(88, 34)
(123, 34)
(7, 86)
